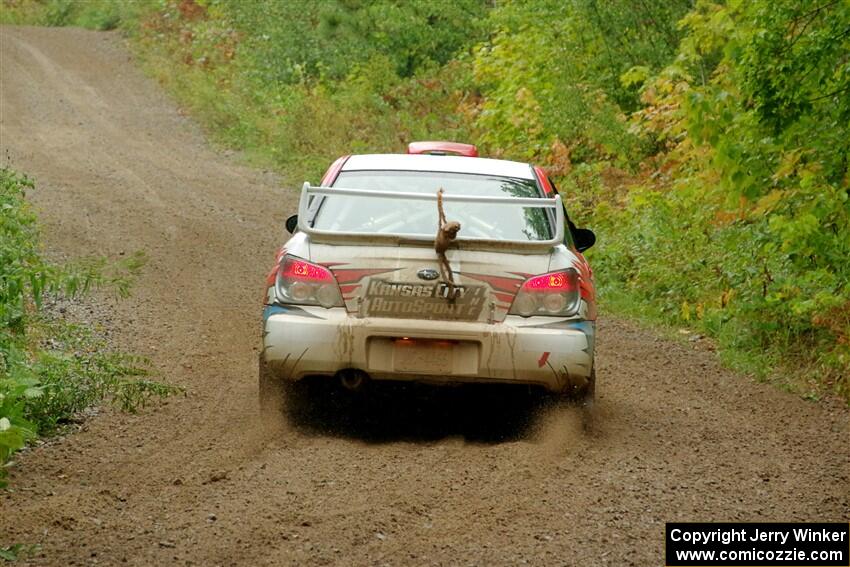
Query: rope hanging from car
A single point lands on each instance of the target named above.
(446, 232)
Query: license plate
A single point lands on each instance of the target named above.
(423, 356)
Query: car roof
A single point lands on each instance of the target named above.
(448, 164)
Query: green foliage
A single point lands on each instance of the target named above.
(557, 77)
(49, 370)
(17, 551)
(94, 14)
(286, 42)
(746, 233)
(706, 142)
(296, 84)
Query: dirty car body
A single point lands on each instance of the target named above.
(357, 291)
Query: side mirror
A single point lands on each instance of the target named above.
(292, 224)
(584, 238)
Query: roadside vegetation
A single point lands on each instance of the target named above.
(50, 369)
(706, 143)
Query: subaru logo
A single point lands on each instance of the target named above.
(428, 274)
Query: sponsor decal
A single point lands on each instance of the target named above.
(424, 300)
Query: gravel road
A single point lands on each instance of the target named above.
(466, 481)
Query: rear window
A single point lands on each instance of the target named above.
(398, 216)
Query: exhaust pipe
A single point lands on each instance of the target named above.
(352, 379)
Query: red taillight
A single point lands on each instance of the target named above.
(557, 282)
(296, 269)
(303, 283)
(556, 293)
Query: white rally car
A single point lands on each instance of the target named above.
(356, 294)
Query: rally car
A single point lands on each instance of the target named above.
(357, 294)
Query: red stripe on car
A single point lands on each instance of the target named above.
(498, 283)
(333, 171)
(544, 181)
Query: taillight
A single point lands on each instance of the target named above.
(556, 293)
(304, 283)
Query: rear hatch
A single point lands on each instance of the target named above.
(375, 230)
(403, 281)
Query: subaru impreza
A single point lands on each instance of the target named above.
(357, 293)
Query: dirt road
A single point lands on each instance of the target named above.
(200, 481)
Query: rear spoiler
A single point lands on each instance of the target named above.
(306, 212)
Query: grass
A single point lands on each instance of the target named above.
(763, 365)
(50, 369)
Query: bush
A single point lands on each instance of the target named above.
(706, 142)
(741, 229)
(94, 14)
(51, 370)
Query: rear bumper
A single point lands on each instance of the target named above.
(550, 352)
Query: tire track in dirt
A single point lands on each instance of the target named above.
(460, 480)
